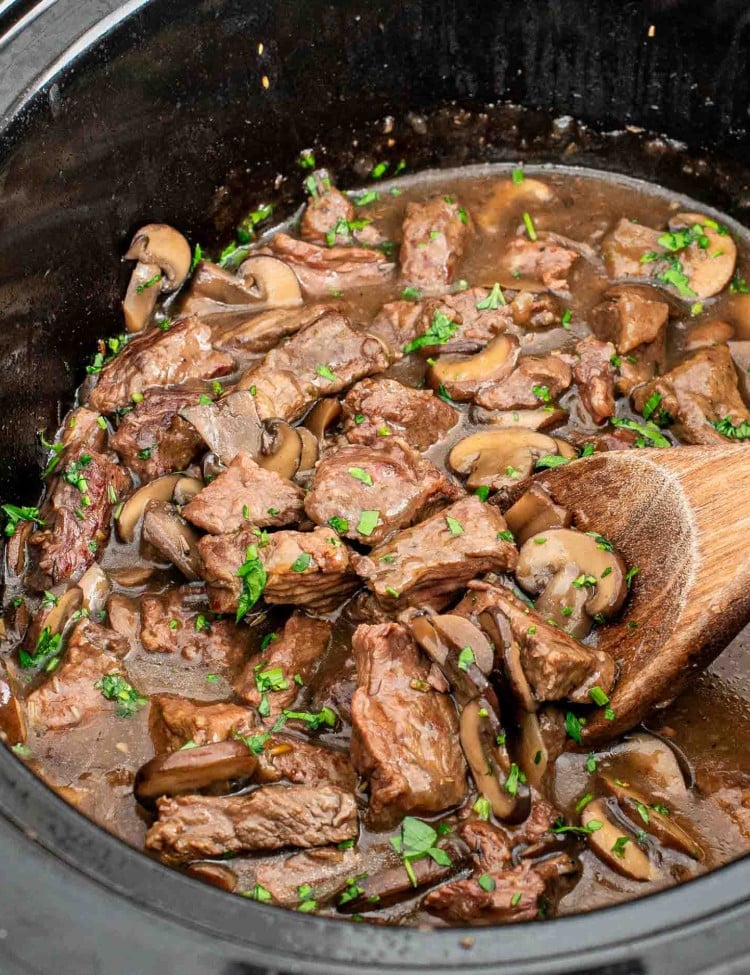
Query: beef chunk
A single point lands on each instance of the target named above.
(153, 439)
(464, 901)
(323, 270)
(699, 392)
(326, 207)
(374, 408)
(296, 651)
(642, 364)
(76, 516)
(176, 621)
(535, 380)
(309, 569)
(433, 239)
(174, 721)
(629, 318)
(159, 358)
(555, 665)
(326, 870)
(404, 740)
(245, 494)
(80, 429)
(215, 290)
(595, 376)
(190, 827)
(294, 375)
(334, 688)
(425, 565)
(251, 335)
(369, 491)
(68, 697)
(541, 261)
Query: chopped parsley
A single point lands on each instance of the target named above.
(455, 527)
(466, 658)
(325, 718)
(379, 170)
(115, 688)
(493, 300)
(302, 562)
(148, 284)
(483, 492)
(411, 294)
(325, 373)
(593, 825)
(573, 727)
(16, 513)
(649, 434)
(258, 893)
(253, 575)
(619, 846)
(738, 285)
(542, 393)
(551, 460)
(505, 536)
(518, 176)
(47, 648)
(415, 841)
(486, 882)
(727, 429)
(368, 522)
(631, 574)
(598, 696)
(340, 525)
(511, 783)
(529, 224)
(361, 475)
(482, 808)
(441, 329)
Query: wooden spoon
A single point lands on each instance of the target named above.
(682, 516)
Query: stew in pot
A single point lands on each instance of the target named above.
(283, 617)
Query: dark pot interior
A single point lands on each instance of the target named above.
(115, 115)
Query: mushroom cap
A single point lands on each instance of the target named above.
(322, 416)
(132, 511)
(544, 555)
(535, 512)
(161, 245)
(709, 269)
(443, 638)
(461, 376)
(281, 448)
(508, 197)
(273, 280)
(491, 456)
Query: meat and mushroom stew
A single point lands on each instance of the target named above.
(292, 617)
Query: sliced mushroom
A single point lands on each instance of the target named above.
(499, 458)
(132, 577)
(55, 616)
(132, 511)
(322, 416)
(186, 489)
(190, 769)
(460, 649)
(164, 259)
(565, 603)
(281, 448)
(706, 334)
(657, 761)
(565, 449)
(490, 764)
(216, 874)
(499, 629)
(273, 281)
(535, 512)
(508, 197)
(643, 814)
(229, 426)
(709, 269)
(513, 419)
(600, 571)
(95, 587)
(533, 754)
(12, 714)
(211, 467)
(168, 532)
(617, 848)
(393, 884)
(309, 455)
(15, 550)
(461, 376)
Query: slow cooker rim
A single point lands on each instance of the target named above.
(605, 935)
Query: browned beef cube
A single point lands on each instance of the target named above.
(82, 428)
(367, 492)
(595, 375)
(252, 334)
(555, 664)
(323, 270)
(190, 827)
(69, 696)
(631, 317)
(427, 564)
(76, 516)
(434, 236)
(404, 737)
(177, 621)
(375, 408)
(540, 261)
(153, 439)
(174, 721)
(309, 569)
(699, 392)
(296, 652)
(321, 359)
(326, 207)
(535, 380)
(245, 494)
(159, 358)
(326, 870)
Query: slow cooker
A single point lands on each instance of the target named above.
(165, 110)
